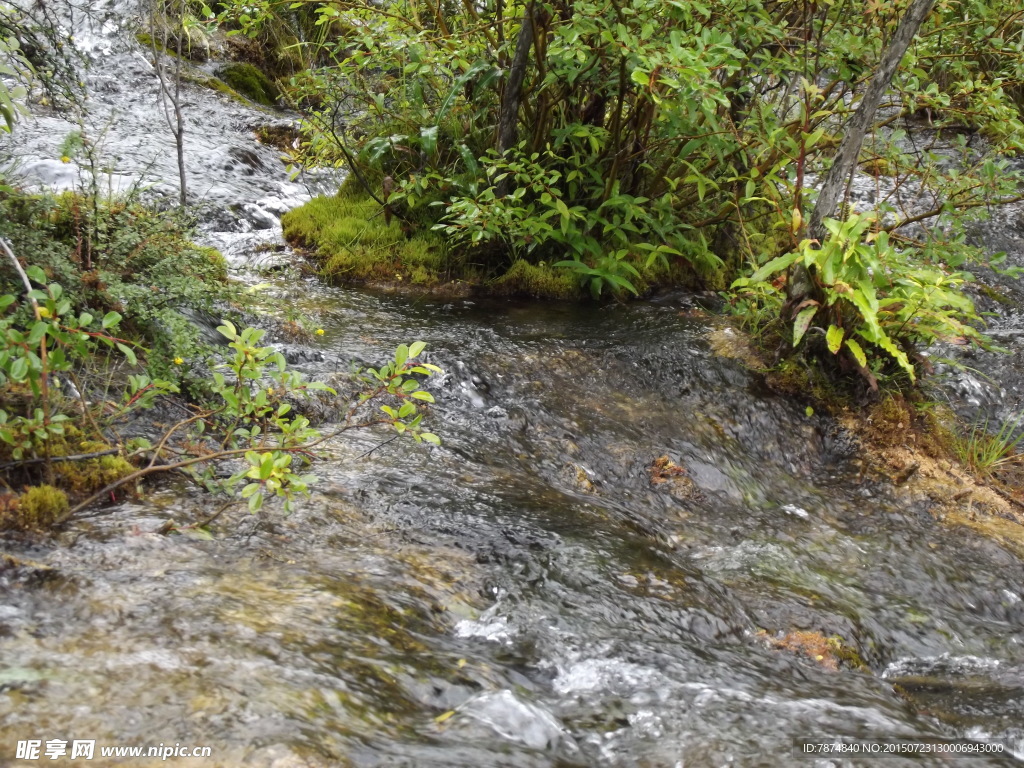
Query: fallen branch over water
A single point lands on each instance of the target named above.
(55, 459)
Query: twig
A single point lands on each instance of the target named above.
(55, 459)
(999, 491)
(224, 508)
(152, 467)
(380, 445)
(21, 273)
(169, 526)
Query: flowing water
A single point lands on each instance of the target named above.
(588, 572)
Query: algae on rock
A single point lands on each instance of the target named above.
(251, 82)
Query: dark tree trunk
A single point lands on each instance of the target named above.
(509, 116)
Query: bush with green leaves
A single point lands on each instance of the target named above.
(43, 340)
(877, 305)
(250, 416)
(120, 256)
(572, 131)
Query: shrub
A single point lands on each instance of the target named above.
(874, 305)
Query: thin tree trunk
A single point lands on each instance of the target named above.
(514, 85)
(179, 132)
(800, 284)
(853, 139)
(170, 101)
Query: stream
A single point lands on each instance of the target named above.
(595, 568)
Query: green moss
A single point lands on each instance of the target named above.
(189, 50)
(220, 86)
(217, 261)
(994, 294)
(847, 655)
(86, 477)
(38, 508)
(281, 136)
(250, 82)
(352, 242)
(538, 280)
(352, 187)
(146, 40)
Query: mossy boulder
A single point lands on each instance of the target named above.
(251, 82)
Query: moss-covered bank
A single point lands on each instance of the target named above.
(124, 275)
(251, 82)
(352, 239)
(915, 445)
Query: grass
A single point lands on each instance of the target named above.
(984, 452)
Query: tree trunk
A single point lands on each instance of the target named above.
(800, 284)
(514, 85)
(179, 129)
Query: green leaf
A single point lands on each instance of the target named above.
(416, 348)
(36, 274)
(111, 319)
(802, 323)
(37, 332)
(127, 352)
(401, 355)
(19, 369)
(425, 396)
(428, 140)
(430, 437)
(775, 265)
(834, 338)
(857, 352)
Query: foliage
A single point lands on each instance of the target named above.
(119, 256)
(13, 64)
(37, 53)
(877, 302)
(52, 341)
(251, 417)
(398, 379)
(677, 131)
(250, 414)
(985, 452)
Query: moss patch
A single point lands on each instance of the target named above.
(38, 508)
(353, 242)
(85, 477)
(190, 51)
(250, 82)
(538, 280)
